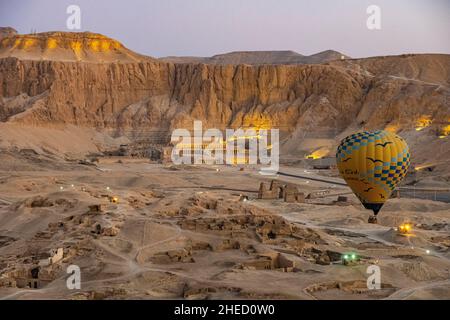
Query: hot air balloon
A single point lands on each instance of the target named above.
(372, 164)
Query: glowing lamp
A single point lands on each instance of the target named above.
(404, 228)
(349, 258)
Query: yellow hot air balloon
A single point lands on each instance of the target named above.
(372, 164)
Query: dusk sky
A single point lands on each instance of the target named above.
(207, 27)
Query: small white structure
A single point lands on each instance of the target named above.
(56, 255)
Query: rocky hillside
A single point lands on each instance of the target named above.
(65, 46)
(261, 57)
(313, 105)
(7, 32)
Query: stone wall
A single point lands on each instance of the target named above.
(276, 190)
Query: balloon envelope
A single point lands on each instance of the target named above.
(372, 164)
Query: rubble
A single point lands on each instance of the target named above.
(177, 255)
(96, 208)
(45, 202)
(355, 287)
(318, 194)
(110, 231)
(197, 292)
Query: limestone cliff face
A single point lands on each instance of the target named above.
(151, 97)
(250, 96)
(80, 93)
(110, 95)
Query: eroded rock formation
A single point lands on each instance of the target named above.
(143, 97)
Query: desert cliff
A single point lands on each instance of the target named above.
(142, 97)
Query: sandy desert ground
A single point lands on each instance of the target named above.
(150, 230)
(186, 232)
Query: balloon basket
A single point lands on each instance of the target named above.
(373, 219)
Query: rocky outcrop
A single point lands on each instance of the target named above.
(7, 32)
(65, 46)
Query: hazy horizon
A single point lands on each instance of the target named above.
(205, 28)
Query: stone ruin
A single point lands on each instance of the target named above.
(96, 208)
(318, 194)
(40, 272)
(288, 192)
(31, 276)
(342, 201)
(56, 255)
(275, 191)
(269, 261)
